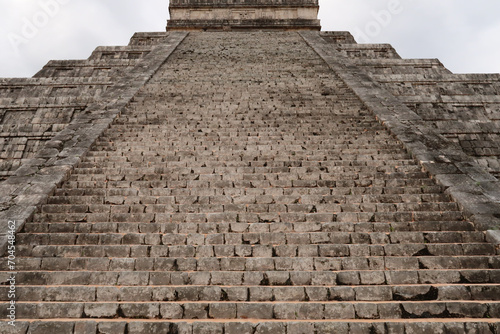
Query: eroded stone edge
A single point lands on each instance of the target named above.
(38, 177)
(475, 190)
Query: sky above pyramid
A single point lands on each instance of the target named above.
(463, 34)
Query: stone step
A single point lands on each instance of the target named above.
(136, 162)
(264, 137)
(51, 94)
(258, 136)
(225, 132)
(147, 38)
(434, 239)
(228, 326)
(248, 146)
(255, 215)
(289, 250)
(98, 274)
(47, 92)
(247, 150)
(344, 110)
(208, 228)
(84, 68)
(254, 131)
(250, 196)
(350, 181)
(130, 258)
(291, 244)
(119, 52)
(263, 121)
(424, 292)
(24, 103)
(354, 130)
(127, 162)
(257, 155)
(404, 64)
(492, 98)
(382, 171)
(367, 51)
(264, 326)
(256, 310)
(318, 140)
(19, 83)
(314, 178)
(228, 211)
(262, 140)
(159, 188)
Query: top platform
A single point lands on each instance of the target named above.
(243, 15)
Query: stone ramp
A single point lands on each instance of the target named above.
(247, 189)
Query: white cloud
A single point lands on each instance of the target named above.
(463, 34)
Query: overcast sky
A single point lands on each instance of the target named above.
(463, 34)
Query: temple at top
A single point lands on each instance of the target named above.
(243, 15)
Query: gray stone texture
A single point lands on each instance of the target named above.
(251, 182)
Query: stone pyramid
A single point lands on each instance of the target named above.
(244, 172)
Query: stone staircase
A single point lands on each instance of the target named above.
(247, 189)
